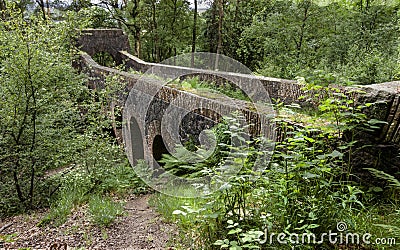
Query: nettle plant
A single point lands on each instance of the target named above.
(306, 187)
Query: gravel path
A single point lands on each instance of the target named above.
(141, 229)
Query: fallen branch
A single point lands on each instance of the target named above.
(5, 227)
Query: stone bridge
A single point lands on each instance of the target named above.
(146, 137)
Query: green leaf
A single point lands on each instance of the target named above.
(235, 231)
(176, 212)
(308, 175)
(186, 85)
(336, 154)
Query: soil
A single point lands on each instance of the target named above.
(141, 229)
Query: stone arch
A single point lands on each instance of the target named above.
(136, 140)
(158, 148)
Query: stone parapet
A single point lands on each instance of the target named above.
(386, 96)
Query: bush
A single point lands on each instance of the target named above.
(307, 187)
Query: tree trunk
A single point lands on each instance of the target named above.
(18, 187)
(173, 27)
(3, 5)
(34, 118)
(135, 28)
(194, 32)
(32, 185)
(48, 8)
(3, 8)
(137, 41)
(220, 23)
(306, 15)
(155, 37)
(41, 5)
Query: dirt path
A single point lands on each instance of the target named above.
(141, 229)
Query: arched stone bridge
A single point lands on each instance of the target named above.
(146, 140)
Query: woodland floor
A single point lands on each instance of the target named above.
(141, 228)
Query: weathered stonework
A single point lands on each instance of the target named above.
(193, 124)
(112, 41)
(386, 140)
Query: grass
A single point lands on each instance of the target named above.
(209, 89)
(381, 221)
(188, 213)
(304, 117)
(103, 210)
(95, 188)
(60, 211)
(301, 191)
(168, 205)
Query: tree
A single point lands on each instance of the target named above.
(37, 114)
(129, 15)
(77, 5)
(238, 16)
(350, 41)
(167, 29)
(215, 28)
(220, 7)
(3, 6)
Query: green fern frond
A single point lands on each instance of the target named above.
(393, 182)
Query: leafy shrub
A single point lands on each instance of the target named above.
(39, 118)
(109, 174)
(307, 186)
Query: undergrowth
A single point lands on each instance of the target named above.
(100, 185)
(99, 173)
(210, 89)
(308, 188)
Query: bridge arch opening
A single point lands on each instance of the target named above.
(136, 140)
(104, 59)
(159, 149)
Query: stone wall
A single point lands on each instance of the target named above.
(386, 141)
(386, 95)
(112, 41)
(203, 112)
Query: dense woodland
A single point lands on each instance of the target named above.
(57, 151)
(346, 41)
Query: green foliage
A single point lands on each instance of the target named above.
(352, 41)
(390, 189)
(104, 59)
(104, 210)
(290, 38)
(306, 188)
(157, 29)
(105, 172)
(167, 33)
(38, 112)
(391, 180)
(60, 211)
(94, 17)
(55, 143)
(208, 88)
(8, 237)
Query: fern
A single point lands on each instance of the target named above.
(393, 182)
(182, 163)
